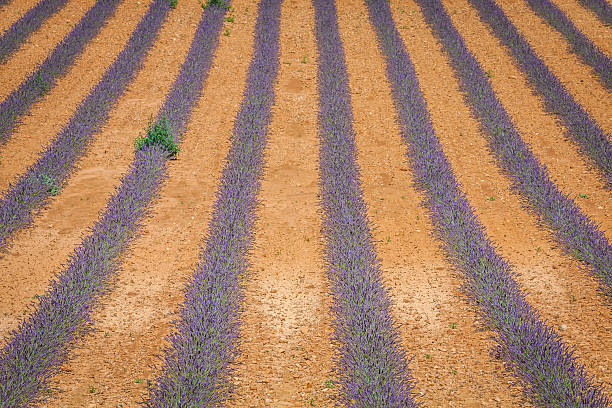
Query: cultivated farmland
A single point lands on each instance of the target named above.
(288, 203)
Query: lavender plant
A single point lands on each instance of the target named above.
(31, 21)
(581, 128)
(600, 7)
(34, 352)
(57, 63)
(26, 196)
(580, 43)
(196, 369)
(550, 374)
(578, 235)
(372, 367)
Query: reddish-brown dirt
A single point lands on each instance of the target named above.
(10, 13)
(47, 117)
(551, 46)
(286, 355)
(116, 360)
(588, 22)
(286, 335)
(452, 366)
(39, 44)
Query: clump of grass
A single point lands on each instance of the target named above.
(173, 3)
(219, 3)
(41, 83)
(158, 133)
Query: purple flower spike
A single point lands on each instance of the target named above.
(57, 63)
(373, 369)
(550, 374)
(31, 21)
(196, 369)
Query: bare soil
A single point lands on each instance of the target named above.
(286, 355)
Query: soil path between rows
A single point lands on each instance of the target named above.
(588, 23)
(451, 359)
(564, 294)
(136, 317)
(13, 11)
(567, 167)
(56, 231)
(33, 52)
(577, 77)
(286, 358)
(48, 116)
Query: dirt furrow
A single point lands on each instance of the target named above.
(550, 45)
(56, 232)
(13, 12)
(48, 116)
(564, 294)
(286, 353)
(39, 45)
(588, 22)
(114, 363)
(59, 229)
(544, 134)
(451, 357)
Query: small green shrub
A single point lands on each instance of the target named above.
(220, 3)
(158, 133)
(41, 83)
(173, 3)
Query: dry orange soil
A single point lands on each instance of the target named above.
(287, 357)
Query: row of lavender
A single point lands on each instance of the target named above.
(57, 64)
(197, 363)
(35, 351)
(581, 45)
(372, 367)
(31, 21)
(45, 178)
(602, 8)
(550, 374)
(581, 128)
(577, 234)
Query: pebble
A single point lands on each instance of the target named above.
(563, 327)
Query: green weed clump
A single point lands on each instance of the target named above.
(159, 134)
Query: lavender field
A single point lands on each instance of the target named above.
(284, 203)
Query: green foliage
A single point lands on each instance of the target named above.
(173, 3)
(41, 83)
(219, 3)
(48, 181)
(158, 133)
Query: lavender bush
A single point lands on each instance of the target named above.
(31, 21)
(35, 351)
(550, 374)
(577, 234)
(196, 371)
(57, 63)
(29, 194)
(372, 367)
(580, 43)
(581, 128)
(600, 7)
